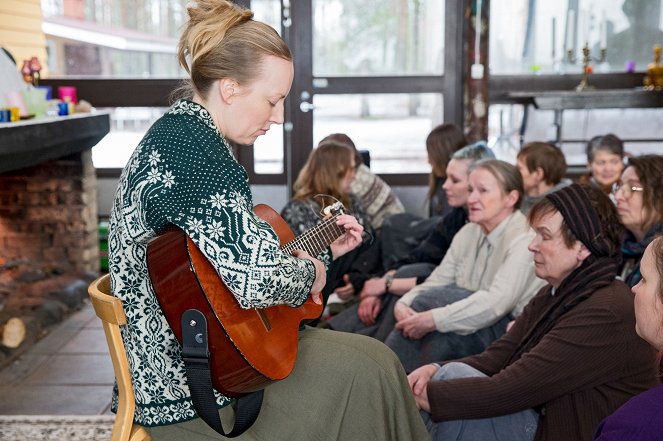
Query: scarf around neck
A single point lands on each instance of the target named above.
(597, 271)
(632, 251)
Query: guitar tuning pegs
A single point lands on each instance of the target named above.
(336, 208)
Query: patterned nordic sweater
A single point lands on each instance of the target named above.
(183, 173)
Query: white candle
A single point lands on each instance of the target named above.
(604, 32)
(568, 37)
(554, 31)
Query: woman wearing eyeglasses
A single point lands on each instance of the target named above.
(639, 197)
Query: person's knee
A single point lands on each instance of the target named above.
(457, 369)
(426, 300)
(414, 270)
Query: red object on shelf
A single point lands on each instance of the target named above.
(26, 72)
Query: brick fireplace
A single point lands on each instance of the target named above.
(49, 245)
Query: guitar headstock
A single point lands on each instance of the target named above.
(334, 209)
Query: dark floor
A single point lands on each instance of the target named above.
(68, 372)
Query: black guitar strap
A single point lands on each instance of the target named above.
(195, 355)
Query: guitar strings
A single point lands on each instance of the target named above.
(307, 236)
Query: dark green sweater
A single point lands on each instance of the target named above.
(183, 173)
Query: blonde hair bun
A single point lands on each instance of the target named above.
(209, 21)
(221, 40)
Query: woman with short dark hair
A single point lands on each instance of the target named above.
(605, 161)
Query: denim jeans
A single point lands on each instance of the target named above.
(348, 320)
(442, 346)
(519, 426)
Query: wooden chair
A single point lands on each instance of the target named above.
(109, 310)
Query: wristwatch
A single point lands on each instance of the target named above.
(387, 282)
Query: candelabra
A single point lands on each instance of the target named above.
(586, 68)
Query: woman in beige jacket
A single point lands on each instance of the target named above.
(484, 281)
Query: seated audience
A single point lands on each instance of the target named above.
(484, 281)
(325, 179)
(605, 160)
(641, 417)
(377, 198)
(639, 198)
(542, 167)
(403, 232)
(571, 358)
(379, 294)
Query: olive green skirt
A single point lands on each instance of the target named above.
(343, 387)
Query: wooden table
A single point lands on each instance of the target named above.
(560, 100)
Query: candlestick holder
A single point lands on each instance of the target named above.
(586, 68)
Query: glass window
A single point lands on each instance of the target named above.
(128, 126)
(640, 130)
(531, 36)
(268, 149)
(392, 127)
(111, 38)
(504, 122)
(268, 11)
(364, 38)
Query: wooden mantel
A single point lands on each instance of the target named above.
(30, 142)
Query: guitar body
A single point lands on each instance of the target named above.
(249, 348)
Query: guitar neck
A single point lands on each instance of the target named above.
(315, 240)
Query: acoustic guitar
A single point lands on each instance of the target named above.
(249, 348)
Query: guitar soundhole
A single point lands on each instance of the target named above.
(264, 319)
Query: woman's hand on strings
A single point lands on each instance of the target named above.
(350, 239)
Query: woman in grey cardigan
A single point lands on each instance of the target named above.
(483, 282)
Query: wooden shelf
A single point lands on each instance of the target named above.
(30, 142)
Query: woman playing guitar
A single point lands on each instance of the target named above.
(183, 173)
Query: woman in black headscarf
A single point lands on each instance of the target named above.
(572, 356)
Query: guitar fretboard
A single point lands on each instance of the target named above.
(317, 238)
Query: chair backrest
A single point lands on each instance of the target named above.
(109, 310)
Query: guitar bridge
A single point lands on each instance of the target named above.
(264, 319)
